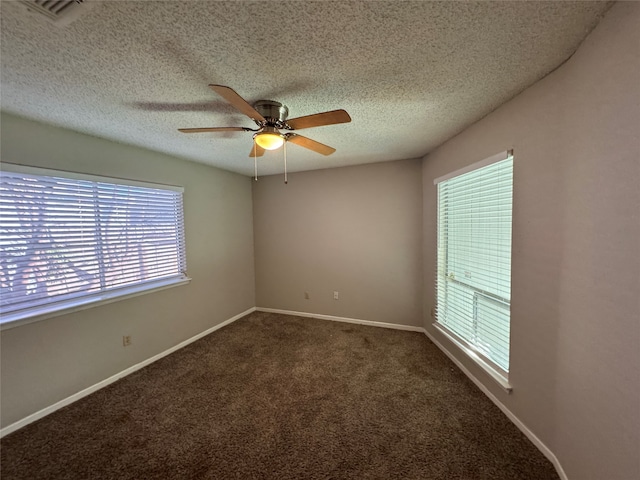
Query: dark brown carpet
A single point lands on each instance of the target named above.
(281, 397)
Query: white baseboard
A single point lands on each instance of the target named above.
(93, 388)
(370, 323)
(510, 415)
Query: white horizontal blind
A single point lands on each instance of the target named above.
(474, 259)
(70, 238)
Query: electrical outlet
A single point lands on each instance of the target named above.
(126, 340)
(306, 295)
(336, 295)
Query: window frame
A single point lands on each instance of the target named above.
(495, 371)
(86, 299)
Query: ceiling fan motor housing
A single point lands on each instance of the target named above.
(274, 112)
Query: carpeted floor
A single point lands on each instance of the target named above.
(281, 397)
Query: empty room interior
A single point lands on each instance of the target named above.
(438, 277)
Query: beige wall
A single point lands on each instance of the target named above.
(575, 338)
(49, 360)
(356, 230)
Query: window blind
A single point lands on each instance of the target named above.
(473, 286)
(74, 239)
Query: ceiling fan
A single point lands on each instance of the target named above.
(271, 117)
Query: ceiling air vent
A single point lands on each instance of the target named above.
(60, 12)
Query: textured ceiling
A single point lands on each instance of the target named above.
(411, 74)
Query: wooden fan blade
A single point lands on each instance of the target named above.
(215, 129)
(256, 150)
(237, 101)
(319, 119)
(310, 144)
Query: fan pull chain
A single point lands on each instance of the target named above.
(255, 161)
(285, 162)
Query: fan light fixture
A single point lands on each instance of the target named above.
(270, 117)
(269, 138)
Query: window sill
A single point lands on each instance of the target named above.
(37, 314)
(498, 377)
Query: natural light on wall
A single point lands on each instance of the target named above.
(69, 240)
(473, 286)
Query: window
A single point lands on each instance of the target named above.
(67, 240)
(473, 286)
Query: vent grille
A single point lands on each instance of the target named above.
(61, 12)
